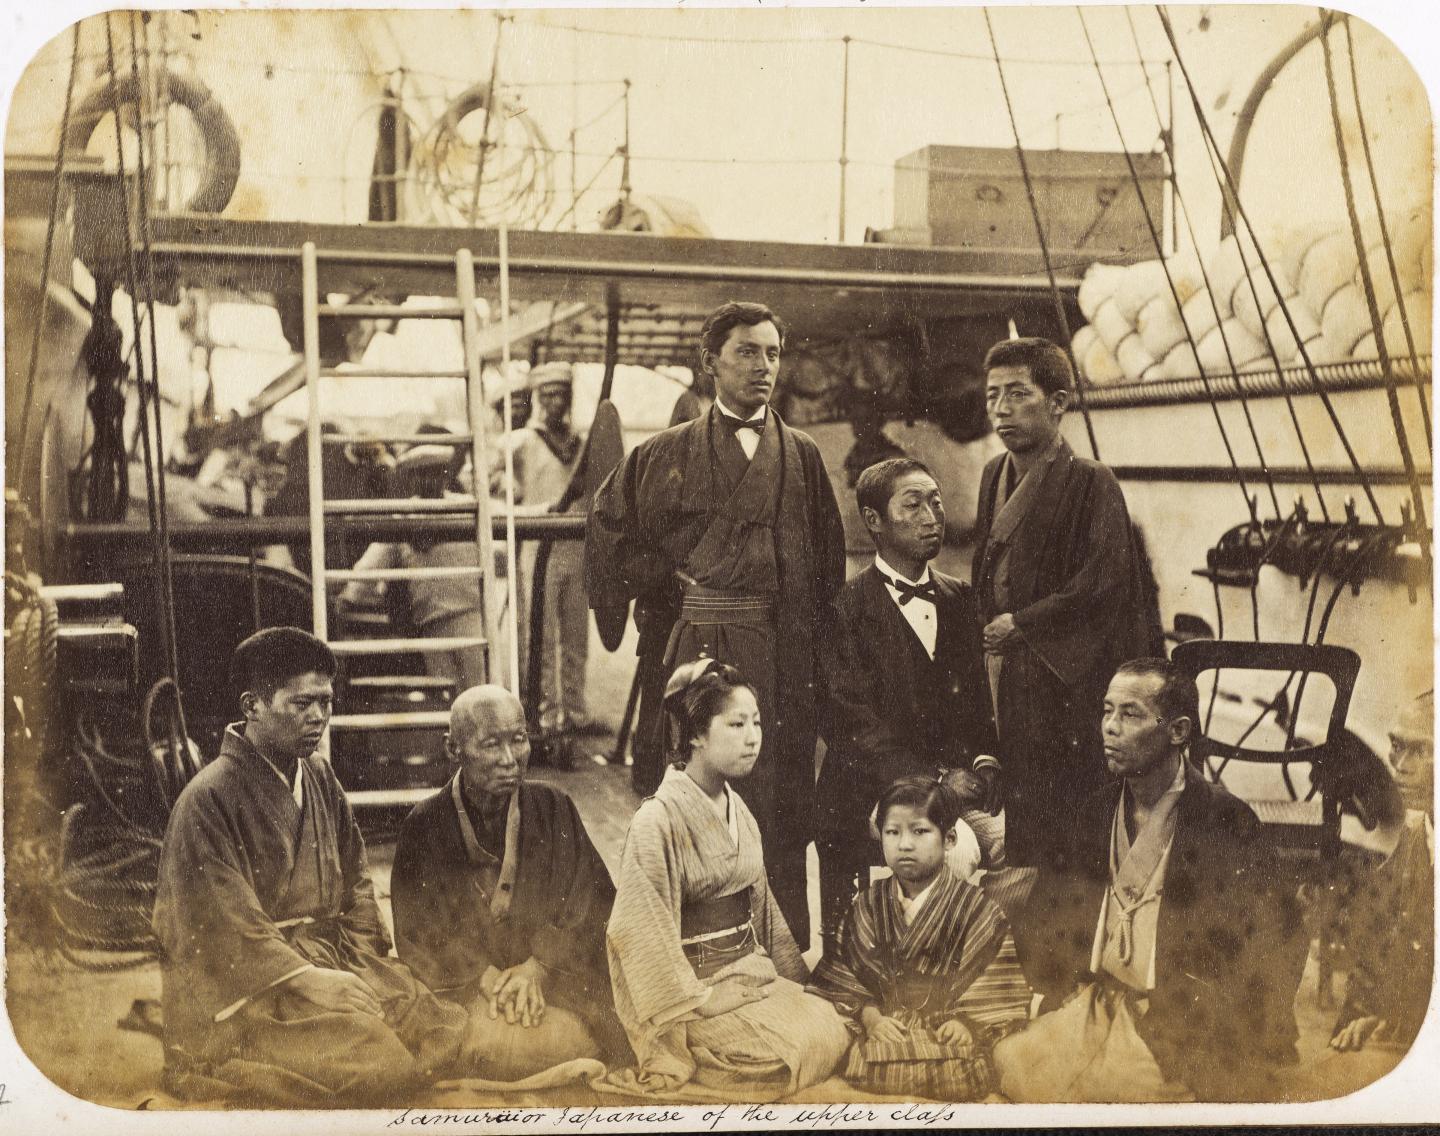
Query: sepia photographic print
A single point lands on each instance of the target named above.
(697, 568)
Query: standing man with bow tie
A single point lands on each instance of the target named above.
(726, 534)
(904, 674)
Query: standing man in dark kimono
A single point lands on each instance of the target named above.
(499, 895)
(906, 692)
(1056, 572)
(725, 532)
(275, 980)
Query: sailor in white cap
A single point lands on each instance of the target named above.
(546, 459)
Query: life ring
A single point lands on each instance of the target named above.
(222, 143)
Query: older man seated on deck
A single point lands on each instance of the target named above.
(500, 896)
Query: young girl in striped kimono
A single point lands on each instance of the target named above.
(924, 967)
(707, 978)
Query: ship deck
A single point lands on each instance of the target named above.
(66, 1018)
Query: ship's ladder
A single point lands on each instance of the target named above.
(476, 505)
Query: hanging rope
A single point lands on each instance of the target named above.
(1337, 537)
(1184, 210)
(1274, 352)
(45, 258)
(106, 488)
(1040, 238)
(1232, 191)
(139, 357)
(1165, 267)
(178, 749)
(1385, 237)
(1392, 395)
(154, 483)
(491, 107)
(588, 187)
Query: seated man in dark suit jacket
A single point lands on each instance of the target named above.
(907, 692)
(1163, 944)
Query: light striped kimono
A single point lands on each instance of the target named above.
(953, 958)
(680, 850)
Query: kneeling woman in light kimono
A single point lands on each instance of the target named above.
(706, 975)
(924, 966)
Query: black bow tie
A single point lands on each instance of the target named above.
(737, 424)
(908, 591)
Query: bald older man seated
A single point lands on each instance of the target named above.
(500, 896)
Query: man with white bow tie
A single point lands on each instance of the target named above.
(726, 534)
(906, 692)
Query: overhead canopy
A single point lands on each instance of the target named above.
(662, 286)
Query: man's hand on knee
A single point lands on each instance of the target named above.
(1356, 1033)
(518, 994)
(337, 990)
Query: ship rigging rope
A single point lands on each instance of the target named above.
(137, 339)
(179, 750)
(1228, 212)
(178, 743)
(1227, 206)
(610, 157)
(45, 258)
(715, 41)
(1252, 587)
(1400, 304)
(1165, 267)
(1184, 209)
(1230, 192)
(725, 41)
(154, 470)
(1392, 395)
(492, 104)
(1340, 534)
(1293, 715)
(1040, 238)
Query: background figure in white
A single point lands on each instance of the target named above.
(545, 458)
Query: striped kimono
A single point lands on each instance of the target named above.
(955, 959)
(680, 850)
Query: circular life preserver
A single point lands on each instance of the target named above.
(222, 143)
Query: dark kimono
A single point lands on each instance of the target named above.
(1220, 1018)
(891, 711)
(254, 889)
(956, 959)
(459, 909)
(1392, 937)
(760, 549)
(1063, 560)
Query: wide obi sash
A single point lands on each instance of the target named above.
(706, 605)
(716, 932)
